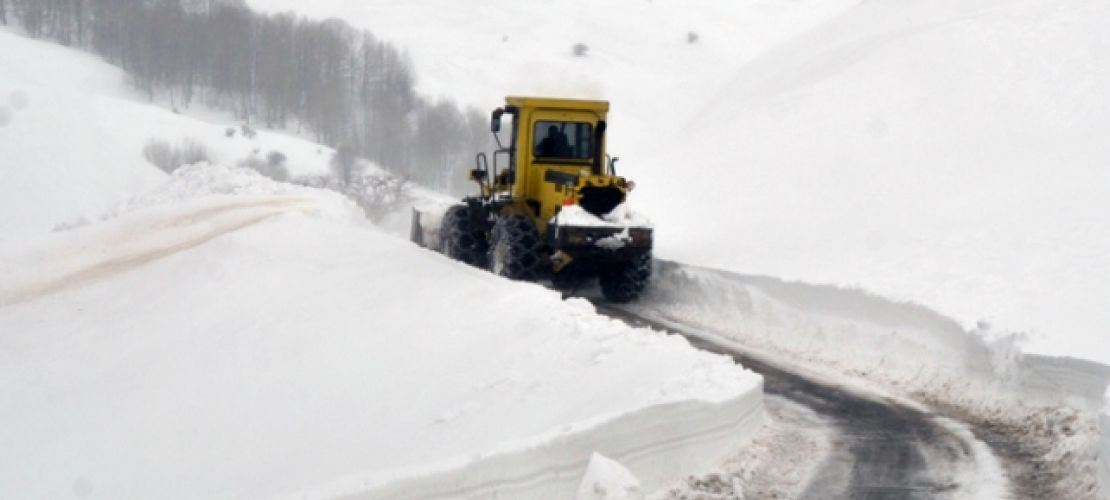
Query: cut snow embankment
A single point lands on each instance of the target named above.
(900, 349)
(245, 339)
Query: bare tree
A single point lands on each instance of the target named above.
(32, 15)
(345, 165)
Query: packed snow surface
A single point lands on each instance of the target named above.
(226, 336)
(947, 152)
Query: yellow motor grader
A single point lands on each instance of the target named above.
(550, 204)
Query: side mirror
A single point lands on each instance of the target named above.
(495, 120)
(478, 175)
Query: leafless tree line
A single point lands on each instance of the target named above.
(344, 86)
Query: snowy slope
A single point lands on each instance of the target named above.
(231, 337)
(72, 135)
(946, 152)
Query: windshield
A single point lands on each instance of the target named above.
(563, 140)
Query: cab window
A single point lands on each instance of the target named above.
(563, 140)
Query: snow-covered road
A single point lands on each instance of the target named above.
(881, 447)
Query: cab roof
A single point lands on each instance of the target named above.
(557, 103)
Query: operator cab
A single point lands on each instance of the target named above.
(563, 141)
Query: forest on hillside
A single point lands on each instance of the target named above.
(341, 85)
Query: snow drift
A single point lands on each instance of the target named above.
(225, 336)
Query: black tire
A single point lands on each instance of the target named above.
(624, 282)
(514, 248)
(461, 239)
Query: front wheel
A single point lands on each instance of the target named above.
(625, 281)
(461, 239)
(514, 248)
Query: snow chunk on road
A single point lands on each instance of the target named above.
(275, 351)
(607, 479)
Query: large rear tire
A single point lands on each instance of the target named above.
(514, 248)
(624, 282)
(460, 237)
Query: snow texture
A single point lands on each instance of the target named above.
(226, 336)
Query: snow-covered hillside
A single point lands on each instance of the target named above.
(73, 134)
(947, 152)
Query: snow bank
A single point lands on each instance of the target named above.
(900, 349)
(227, 337)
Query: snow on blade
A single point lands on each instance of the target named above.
(621, 216)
